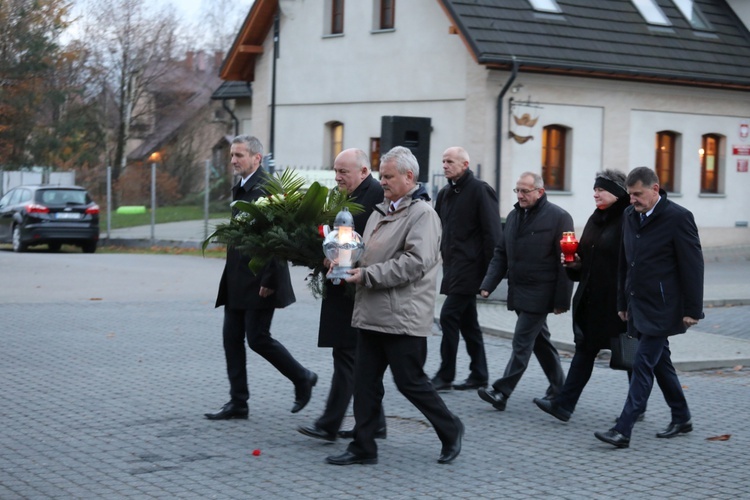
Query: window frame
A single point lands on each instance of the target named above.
(714, 187)
(557, 171)
(664, 161)
(545, 6)
(387, 15)
(651, 12)
(337, 17)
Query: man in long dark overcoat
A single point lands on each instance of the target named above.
(352, 168)
(468, 210)
(250, 299)
(660, 294)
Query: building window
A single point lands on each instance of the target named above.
(375, 153)
(692, 14)
(710, 163)
(665, 154)
(335, 140)
(545, 5)
(554, 139)
(387, 14)
(337, 17)
(651, 12)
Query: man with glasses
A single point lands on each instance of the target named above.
(528, 253)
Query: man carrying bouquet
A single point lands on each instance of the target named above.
(249, 300)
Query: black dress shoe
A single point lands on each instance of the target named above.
(469, 384)
(674, 429)
(549, 406)
(349, 458)
(229, 410)
(614, 438)
(450, 452)
(316, 432)
(496, 398)
(440, 384)
(303, 392)
(349, 434)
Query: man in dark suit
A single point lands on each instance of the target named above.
(660, 293)
(249, 300)
(528, 253)
(467, 207)
(353, 176)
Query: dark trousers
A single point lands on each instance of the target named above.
(255, 325)
(340, 394)
(531, 336)
(652, 360)
(459, 314)
(578, 376)
(406, 356)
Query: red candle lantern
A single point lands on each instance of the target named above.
(569, 245)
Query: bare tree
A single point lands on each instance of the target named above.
(132, 44)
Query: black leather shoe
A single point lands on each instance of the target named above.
(229, 410)
(450, 452)
(349, 458)
(316, 432)
(674, 429)
(549, 406)
(303, 392)
(440, 384)
(614, 438)
(349, 434)
(496, 398)
(469, 384)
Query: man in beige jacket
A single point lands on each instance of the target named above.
(394, 308)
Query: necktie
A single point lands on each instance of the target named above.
(643, 218)
(391, 208)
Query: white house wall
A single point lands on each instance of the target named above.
(419, 69)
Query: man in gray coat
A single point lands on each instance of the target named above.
(394, 308)
(529, 255)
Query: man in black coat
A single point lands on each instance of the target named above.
(249, 300)
(468, 210)
(529, 254)
(660, 293)
(353, 176)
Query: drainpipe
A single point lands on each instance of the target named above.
(500, 137)
(234, 117)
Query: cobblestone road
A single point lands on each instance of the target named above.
(108, 363)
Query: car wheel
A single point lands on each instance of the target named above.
(89, 247)
(18, 245)
(54, 247)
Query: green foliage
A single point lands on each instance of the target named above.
(284, 225)
(29, 58)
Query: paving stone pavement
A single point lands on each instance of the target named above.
(108, 363)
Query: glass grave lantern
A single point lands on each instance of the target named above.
(343, 246)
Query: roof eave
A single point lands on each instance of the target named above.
(239, 65)
(614, 74)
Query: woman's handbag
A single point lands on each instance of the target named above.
(623, 349)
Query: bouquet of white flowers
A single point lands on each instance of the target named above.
(286, 224)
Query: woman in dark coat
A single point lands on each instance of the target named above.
(595, 319)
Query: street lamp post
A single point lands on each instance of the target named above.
(154, 158)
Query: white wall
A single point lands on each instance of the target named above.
(419, 69)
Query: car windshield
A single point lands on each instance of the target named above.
(63, 197)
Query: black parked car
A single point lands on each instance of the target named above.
(49, 215)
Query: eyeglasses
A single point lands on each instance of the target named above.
(525, 191)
